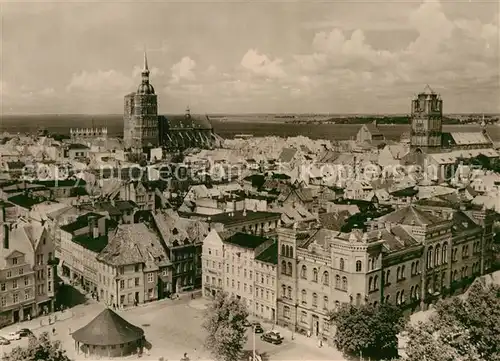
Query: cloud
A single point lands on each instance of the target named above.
(47, 92)
(183, 70)
(445, 53)
(100, 82)
(262, 65)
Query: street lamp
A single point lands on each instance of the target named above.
(254, 327)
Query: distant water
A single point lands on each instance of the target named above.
(225, 128)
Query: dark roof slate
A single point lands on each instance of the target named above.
(108, 328)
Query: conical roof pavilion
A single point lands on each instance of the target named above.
(108, 328)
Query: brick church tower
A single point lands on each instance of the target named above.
(426, 122)
(140, 118)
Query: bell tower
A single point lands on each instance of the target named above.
(426, 122)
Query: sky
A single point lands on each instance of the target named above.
(336, 57)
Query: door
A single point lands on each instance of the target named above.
(15, 314)
(273, 314)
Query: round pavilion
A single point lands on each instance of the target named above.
(108, 334)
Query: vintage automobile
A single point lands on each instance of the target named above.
(272, 337)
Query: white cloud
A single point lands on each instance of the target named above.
(262, 65)
(99, 82)
(183, 70)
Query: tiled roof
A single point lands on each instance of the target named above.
(178, 231)
(246, 240)
(192, 121)
(468, 138)
(411, 216)
(240, 216)
(287, 155)
(131, 244)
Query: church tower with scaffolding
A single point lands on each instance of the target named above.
(140, 118)
(426, 122)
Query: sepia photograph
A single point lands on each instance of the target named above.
(250, 180)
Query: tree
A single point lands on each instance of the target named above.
(41, 348)
(224, 322)
(460, 329)
(368, 330)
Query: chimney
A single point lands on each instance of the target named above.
(245, 212)
(93, 228)
(6, 236)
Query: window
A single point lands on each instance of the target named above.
(3, 301)
(370, 283)
(303, 272)
(16, 298)
(283, 250)
(315, 275)
(14, 260)
(289, 269)
(27, 294)
(9, 274)
(344, 283)
(375, 283)
(283, 267)
(342, 265)
(315, 300)
(150, 277)
(2, 287)
(326, 278)
(403, 272)
(337, 281)
(437, 255)
(387, 277)
(286, 312)
(122, 270)
(137, 281)
(325, 302)
(303, 317)
(304, 297)
(412, 268)
(49, 286)
(289, 292)
(417, 267)
(14, 283)
(358, 266)
(398, 274)
(429, 258)
(26, 281)
(283, 291)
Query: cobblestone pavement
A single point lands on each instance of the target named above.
(173, 328)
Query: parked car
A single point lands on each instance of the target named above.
(4, 341)
(24, 332)
(272, 337)
(12, 336)
(247, 323)
(257, 327)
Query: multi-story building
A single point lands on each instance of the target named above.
(266, 278)
(237, 254)
(410, 257)
(26, 272)
(182, 239)
(134, 267)
(256, 223)
(80, 243)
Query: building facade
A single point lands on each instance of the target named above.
(412, 257)
(426, 122)
(26, 272)
(88, 133)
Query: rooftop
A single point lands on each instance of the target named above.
(269, 255)
(246, 240)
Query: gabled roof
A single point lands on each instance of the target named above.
(411, 216)
(131, 244)
(287, 155)
(373, 129)
(108, 328)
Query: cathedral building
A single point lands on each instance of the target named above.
(144, 129)
(429, 144)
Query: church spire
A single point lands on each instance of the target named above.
(146, 69)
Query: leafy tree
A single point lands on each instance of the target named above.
(461, 329)
(224, 321)
(41, 348)
(368, 330)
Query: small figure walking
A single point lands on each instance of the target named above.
(53, 331)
